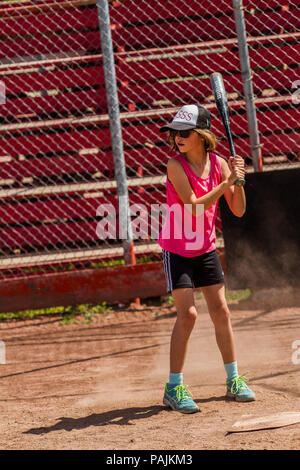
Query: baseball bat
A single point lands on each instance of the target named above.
(222, 105)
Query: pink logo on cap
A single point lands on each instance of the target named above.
(188, 114)
(184, 115)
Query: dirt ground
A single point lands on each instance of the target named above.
(100, 385)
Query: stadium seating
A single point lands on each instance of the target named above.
(56, 109)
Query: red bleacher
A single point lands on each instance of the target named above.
(36, 59)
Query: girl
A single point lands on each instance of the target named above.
(197, 178)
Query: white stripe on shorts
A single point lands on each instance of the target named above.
(166, 260)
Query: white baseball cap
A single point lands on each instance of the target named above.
(190, 116)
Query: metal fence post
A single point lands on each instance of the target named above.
(125, 228)
(247, 84)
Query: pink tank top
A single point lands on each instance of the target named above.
(182, 232)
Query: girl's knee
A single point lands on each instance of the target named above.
(220, 315)
(188, 317)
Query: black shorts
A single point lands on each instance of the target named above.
(199, 271)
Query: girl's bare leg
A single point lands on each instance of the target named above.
(186, 317)
(220, 315)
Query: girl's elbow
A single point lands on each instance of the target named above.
(239, 213)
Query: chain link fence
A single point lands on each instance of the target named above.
(56, 157)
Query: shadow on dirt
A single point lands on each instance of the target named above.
(87, 359)
(270, 299)
(263, 302)
(207, 400)
(119, 417)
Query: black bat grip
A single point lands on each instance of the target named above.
(240, 181)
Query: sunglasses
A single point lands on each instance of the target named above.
(184, 134)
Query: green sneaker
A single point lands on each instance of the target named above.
(179, 399)
(239, 390)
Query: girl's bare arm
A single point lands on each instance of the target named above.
(234, 195)
(180, 181)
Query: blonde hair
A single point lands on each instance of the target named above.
(210, 140)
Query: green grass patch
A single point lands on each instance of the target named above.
(238, 295)
(98, 264)
(89, 312)
(68, 314)
(26, 314)
(231, 295)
